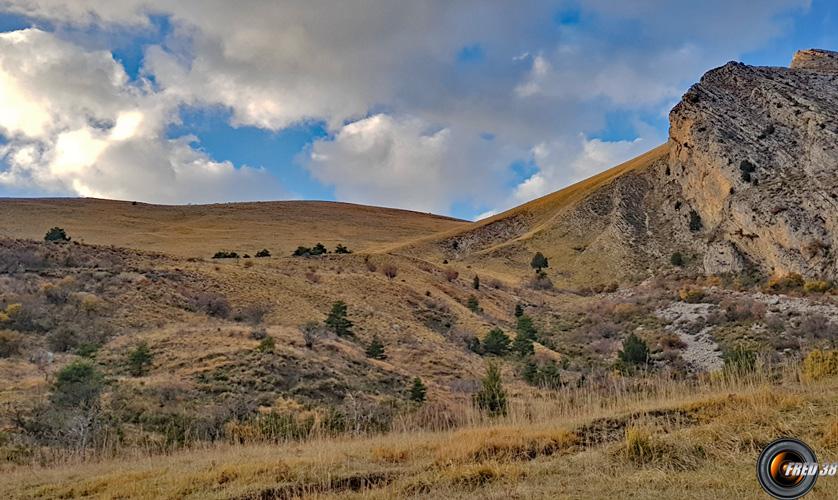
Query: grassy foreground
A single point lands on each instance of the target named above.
(667, 440)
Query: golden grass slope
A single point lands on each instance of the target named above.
(201, 230)
(670, 441)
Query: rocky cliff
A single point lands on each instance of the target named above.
(754, 151)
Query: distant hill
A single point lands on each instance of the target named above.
(201, 230)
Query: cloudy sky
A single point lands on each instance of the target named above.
(460, 108)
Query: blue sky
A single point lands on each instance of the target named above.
(461, 109)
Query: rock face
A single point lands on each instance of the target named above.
(754, 151)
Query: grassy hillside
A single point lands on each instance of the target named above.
(201, 230)
(665, 440)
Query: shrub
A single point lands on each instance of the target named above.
(389, 270)
(212, 304)
(342, 249)
(695, 221)
(376, 349)
(547, 376)
(139, 360)
(691, 295)
(302, 251)
(476, 282)
(312, 277)
(263, 253)
(77, 384)
(62, 339)
(418, 391)
(337, 320)
(319, 249)
(519, 310)
(676, 259)
(223, 254)
(817, 286)
(789, 282)
(10, 343)
(473, 304)
(819, 364)
(267, 345)
(740, 360)
(248, 264)
(451, 274)
(634, 352)
(56, 234)
(310, 331)
(496, 342)
(541, 282)
(539, 262)
(492, 397)
(258, 334)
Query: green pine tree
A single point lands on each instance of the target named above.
(418, 391)
(376, 349)
(476, 282)
(635, 351)
(492, 397)
(519, 310)
(337, 320)
(139, 360)
(539, 262)
(496, 342)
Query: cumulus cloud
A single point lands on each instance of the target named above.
(403, 162)
(385, 78)
(74, 124)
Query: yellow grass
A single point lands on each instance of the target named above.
(664, 442)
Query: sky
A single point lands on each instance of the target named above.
(460, 108)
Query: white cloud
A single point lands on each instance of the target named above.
(403, 162)
(75, 125)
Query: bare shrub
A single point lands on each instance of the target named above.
(371, 267)
(312, 277)
(210, 303)
(10, 343)
(253, 313)
(389, 270)
(451, 274)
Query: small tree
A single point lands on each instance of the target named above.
(492, 397)
(56, 234)
(473, 304)
(77, 384)
(519, 310)
(676, 259)
(267, 344)
(476, 282)
(418, 391)
(635, 351)
(139, 360)
(310, 332)
(539, 262)
(523, 344)
(263, 253)
(342, 249)
(337, 320)
(496, 342)
(376, 349)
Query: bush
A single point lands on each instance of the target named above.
(139, 360)
(634, 352)
(319, 249)
(695, 221)
(539, 262)
(547, 376)
(819, 364)
(541, 282)
(788, 283)
(519, 310)
(209, 303)
(77, 384)
(473, 304)
(691, 295)
(492, 397)
(476, 282)
(56, 234)
(451, 274)
(310, 331)
(302, 251)
(817, 286)
(376, 349)
(740, 360)
(267, 344)
(263, 253)
(337, 320)
(418, 391)
(496, 342)
(223, 254)
(342, 249)
(10, 343)
(676, 259)
(389, 270)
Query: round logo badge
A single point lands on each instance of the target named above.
(787, 468)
